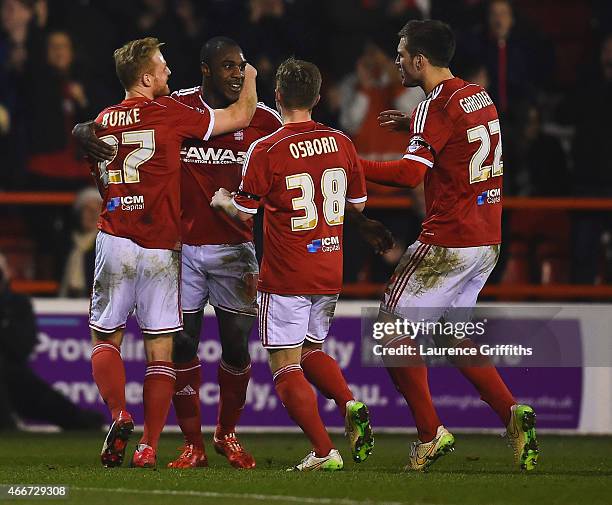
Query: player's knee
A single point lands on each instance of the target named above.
(185, 347)
(236, 354)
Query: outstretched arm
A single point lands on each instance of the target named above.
(407, 172)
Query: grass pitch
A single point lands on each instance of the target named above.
(571, 470)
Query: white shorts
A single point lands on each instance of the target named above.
(285, 321)
(131, 278)
(224, 275)
(430, 281)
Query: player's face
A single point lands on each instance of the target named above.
(159, 75)
(227, 73)
(408, 65)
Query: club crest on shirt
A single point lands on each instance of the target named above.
(416, 142)
(239, 135)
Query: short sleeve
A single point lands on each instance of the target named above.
(356, 190)
(191, 122)
(256, 180)
(430, 130)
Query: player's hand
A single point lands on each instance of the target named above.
(250, 72)
(395, 120)
(376, 235)
(96, 149)
(220, 198)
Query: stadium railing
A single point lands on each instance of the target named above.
(373, 290)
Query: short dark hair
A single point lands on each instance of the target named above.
(298, 83)
(431, 38)
(212, 46)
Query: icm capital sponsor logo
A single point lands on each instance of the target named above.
(491, 196)
(128, 203)
(325, 244)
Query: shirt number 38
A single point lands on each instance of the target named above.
(333, 188)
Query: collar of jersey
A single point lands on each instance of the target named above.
(301, 126)
(135, 99)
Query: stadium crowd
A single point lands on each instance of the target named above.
(56, 69)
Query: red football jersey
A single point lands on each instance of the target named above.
(455, 131)
(217, 163)
(142, 202)
(303, 173)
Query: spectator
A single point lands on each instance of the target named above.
(538, 164)
(375, 86)
(57, 99)
(593, 169)
(78, 271)
(18, 336)
(20, 41)
(516, 63)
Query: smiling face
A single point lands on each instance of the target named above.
(225, 74)
(409, 65)
(156, 76)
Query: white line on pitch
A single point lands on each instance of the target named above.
(244, 496)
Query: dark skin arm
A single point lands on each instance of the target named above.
(372, 232)
(96, 149)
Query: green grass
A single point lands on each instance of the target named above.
(571, 470)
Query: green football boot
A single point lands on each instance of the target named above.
(358, 430)
(521, 436)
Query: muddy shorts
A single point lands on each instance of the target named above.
(223, 275)
(129, 278)
(285, 321)
(430, 281)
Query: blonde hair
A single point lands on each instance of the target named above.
(134, 59)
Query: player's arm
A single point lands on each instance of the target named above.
(239, 114)
(224, 200)
(95, 149)
(407, 172)
(373, 232)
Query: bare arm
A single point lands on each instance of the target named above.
(373, 232)
(239, 114)
(96, 149)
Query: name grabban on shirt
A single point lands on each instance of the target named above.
(314, 147)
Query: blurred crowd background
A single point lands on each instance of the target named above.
(546, 63)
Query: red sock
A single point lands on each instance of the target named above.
(412, 383)
(109, 374)
(323, 372)
(492, 389)
(186, 401)
(157, 392)
(300, 401)
(233, 383)
(480, 371)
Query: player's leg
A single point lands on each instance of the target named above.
(186, 398)
(111, 302)
(233, 374)
(518, 419)
(323, 372)
(157, 392)
(409, 376)
(159, 316)
(283, 322)
(232, 278)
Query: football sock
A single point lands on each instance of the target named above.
(412, 382)
(233, 383)
(492, 389)
(186, 400)
(323, 372)
(109, 374)
(300, 401)
(486, 379)
(157, 392)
